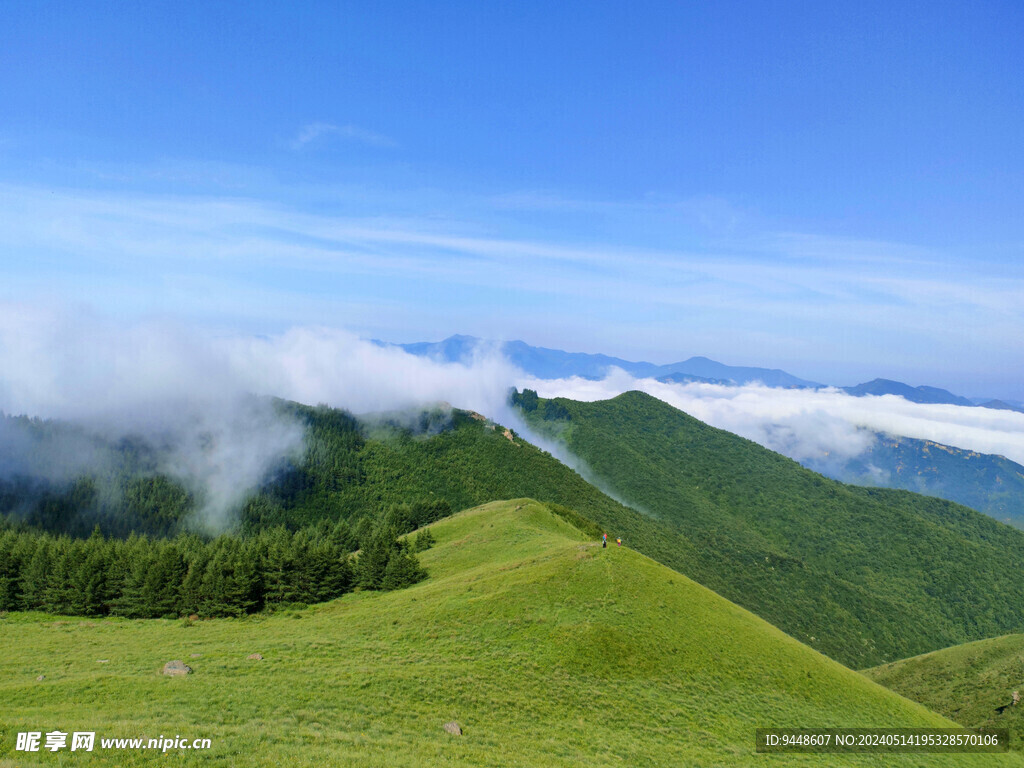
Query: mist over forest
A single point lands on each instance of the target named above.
(198, 408)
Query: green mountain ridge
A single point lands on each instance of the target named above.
(972, 683)
(545, 648)
(356, 470)
(864, 575)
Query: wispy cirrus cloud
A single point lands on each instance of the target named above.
(318, 131)
(805, 302)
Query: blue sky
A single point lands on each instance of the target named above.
(832, 188)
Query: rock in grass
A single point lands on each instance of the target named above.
(177, 668)
(453, 728)
(255, 656)
(41, 678)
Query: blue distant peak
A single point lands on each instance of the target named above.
(544, 363)
(931, 395)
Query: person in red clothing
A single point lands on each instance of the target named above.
(604, 541)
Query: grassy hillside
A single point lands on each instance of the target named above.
(352, 469)
(865, 576)
(548, 650)
(355, 470)
(972, 683)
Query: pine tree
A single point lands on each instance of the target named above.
(403, 569)
(363, 531)
(119, 560)
(192, 584)
(424, 540)
(60, 594)
(277, 566)
(35, 578)
(399, 517)
(242, 592)
(332, 573)
(373, 559)
(10, 570)
(135, 600)
(304, 574)
(161, 592)
(213, 591)
(342, 538)
(91, 577)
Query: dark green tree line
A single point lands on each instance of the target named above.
(142, 577)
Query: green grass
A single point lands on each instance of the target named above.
(968, 683)
(863, 575)
(549, 650)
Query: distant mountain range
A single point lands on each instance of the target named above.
(545, 363)
(930, 395)
(989, 483)
(557, 364)
(999, 405)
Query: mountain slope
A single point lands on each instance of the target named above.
(548, 650)
(707, 369)
(989, 483)
(922, 394)
(863, 575)
(972, 683)
(709, 495)
(353, 470)
(358, 469)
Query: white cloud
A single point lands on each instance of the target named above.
(803, 424)
(315, 131)
(193, 393)
(193, 390)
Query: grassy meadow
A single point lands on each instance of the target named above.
(972, 683)
(547, 649)
(866, 576)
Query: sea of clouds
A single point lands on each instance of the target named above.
(202, 397)
(804, 424)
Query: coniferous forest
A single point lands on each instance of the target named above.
(144, 577)
(126, 541)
